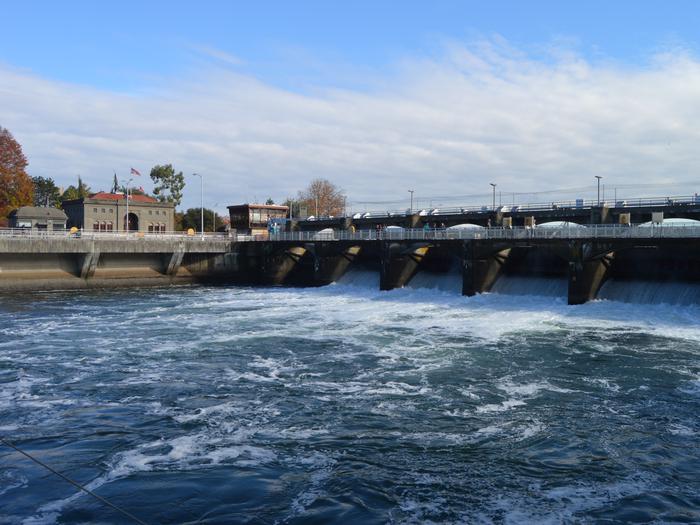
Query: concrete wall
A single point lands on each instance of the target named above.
(67, 263)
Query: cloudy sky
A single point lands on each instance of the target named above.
(379, 97)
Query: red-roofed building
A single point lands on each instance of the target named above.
(104, 211)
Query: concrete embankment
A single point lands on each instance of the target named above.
(72, 263)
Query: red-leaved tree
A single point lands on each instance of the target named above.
(16, 187)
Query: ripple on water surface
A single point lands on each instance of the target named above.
(342, 404)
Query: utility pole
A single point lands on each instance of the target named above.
(598, 177)
(411, 208)
(201, 197)
(493, 185)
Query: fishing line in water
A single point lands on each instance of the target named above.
(74, 483)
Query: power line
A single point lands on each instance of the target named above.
(74, 483)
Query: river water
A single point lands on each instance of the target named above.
(344, 404)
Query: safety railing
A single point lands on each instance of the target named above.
(528, 207)
(563, 232)
(34, 233)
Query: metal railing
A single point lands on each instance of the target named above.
(34, 233)
(596, 231)
(576, 204)
(600, 231)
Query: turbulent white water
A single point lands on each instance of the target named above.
(348, 405)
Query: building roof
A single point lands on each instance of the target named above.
(103, 195)
(260, 206)
(36, 212)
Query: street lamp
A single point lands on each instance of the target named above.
(598, 177)
(493, 185)
(201, 195)
(213, 213)
(411, 208)
(126, 186)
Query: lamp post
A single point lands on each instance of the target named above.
(493, 185)
(213, 213)
(411, 208)
(201, 196)
(598, 177)
(126, 222)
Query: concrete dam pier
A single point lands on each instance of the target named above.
(64, 262)
(585, 257)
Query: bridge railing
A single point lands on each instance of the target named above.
(563, 232)
(529, 207)
(599, 231)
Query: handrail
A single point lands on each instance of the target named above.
(597, 231)
(594, 231)
(34, 233)
(576, 204)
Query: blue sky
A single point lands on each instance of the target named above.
(125, 45)
(296, 90)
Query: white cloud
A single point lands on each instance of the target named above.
(443, 127)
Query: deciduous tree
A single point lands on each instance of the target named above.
(322, 198)
(16, 188)
(192, 218)
(168, 184)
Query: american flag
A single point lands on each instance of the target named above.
(135, 172)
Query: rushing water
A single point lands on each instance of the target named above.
(348, 405)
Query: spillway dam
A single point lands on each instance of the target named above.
(584, 257)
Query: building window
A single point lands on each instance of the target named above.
(103, 210)
(96, 226)
(94, 210)
(110, 226)
(150, 212)
(150, 227)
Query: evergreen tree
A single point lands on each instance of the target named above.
(46, 193)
